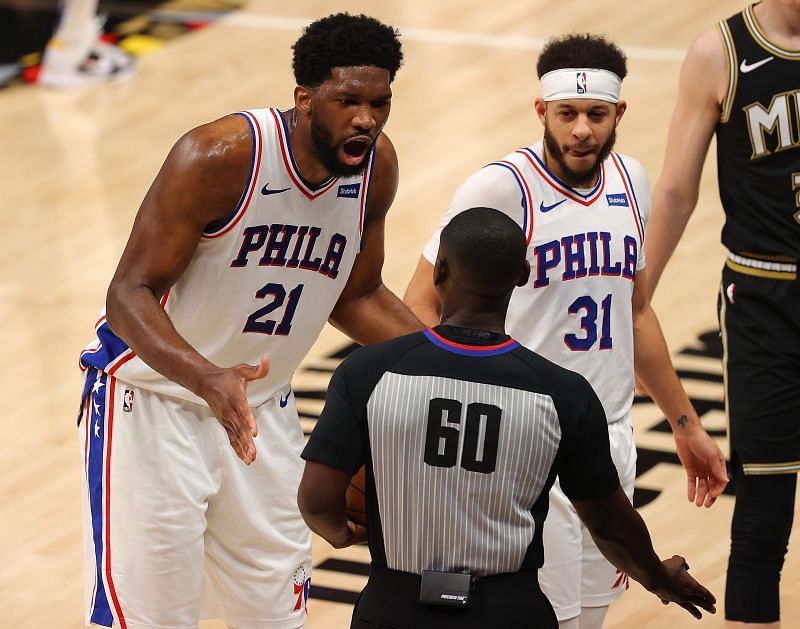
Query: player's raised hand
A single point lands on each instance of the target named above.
(704, 463)
(225, 390)
(678, 586)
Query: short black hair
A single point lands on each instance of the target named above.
(582, 50)
(486, 246)
(342, 40)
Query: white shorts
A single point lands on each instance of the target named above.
(575, 574)
(169, 508)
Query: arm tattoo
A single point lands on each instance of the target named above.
(682, 420)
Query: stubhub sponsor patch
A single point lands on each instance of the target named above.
(349, 190)
(618, 199)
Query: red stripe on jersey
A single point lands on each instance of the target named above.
(634, 208)
(567, 192)
(528, 198)
(109, 432)
(473, 348)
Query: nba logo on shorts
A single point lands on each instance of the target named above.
(581, 82)
(127, 401)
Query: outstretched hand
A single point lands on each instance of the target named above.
(681, 588)
(225, 391)
(704, 463)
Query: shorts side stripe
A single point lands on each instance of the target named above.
(96, 403)
(723, 327)
(107, 510)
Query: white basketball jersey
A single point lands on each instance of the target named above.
(262, 282)
(584, 247)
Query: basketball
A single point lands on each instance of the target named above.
(354, 499)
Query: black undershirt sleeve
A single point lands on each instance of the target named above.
(339, 438)
(585, 468)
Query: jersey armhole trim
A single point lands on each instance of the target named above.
(234, 217)
(732, 66)
(527, 198)
(366, 182)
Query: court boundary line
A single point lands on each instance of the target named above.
(447, 37)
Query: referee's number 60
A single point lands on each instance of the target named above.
(471, 443)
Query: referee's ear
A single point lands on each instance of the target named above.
(441, 271)
(526, 273)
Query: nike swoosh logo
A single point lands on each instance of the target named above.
(745, 67)
(283, 401)
(547, 208)
(265, 190)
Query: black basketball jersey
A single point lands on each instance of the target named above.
(462, 434)
(758, 141)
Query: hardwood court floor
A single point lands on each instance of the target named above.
(76, 165)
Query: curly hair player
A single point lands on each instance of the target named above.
(259, 227)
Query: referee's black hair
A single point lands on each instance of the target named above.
(582, 50)
(342, 40)
(487, 247)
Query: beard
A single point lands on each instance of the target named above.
(327, 150)
(578, 178)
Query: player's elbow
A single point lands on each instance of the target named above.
(115, 305)
(312, 502)
(676, 199)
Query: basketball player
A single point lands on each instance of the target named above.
(741, 80)
(583, 209)
(463, 431)
(260, 227)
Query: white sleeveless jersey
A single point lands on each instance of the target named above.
(262, 282)
(584, 248)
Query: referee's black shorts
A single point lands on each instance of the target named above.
(390, 600)
(759, 311)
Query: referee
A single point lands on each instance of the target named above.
(463, 432)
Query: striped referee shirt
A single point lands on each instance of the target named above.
(462, 432)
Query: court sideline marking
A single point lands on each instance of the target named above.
(438, 36)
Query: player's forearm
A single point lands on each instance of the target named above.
(420, 295)
(655, 372)
(671, 212)
(374, 317)
(428, 311)
(137, 317)
(324, 514)
(622, 537)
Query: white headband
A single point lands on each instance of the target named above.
(568, 83)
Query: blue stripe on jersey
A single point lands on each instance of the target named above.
(522, 195)
(305, 181)
(111, 348)
(633, 191)
(462, 350)
(97, 383)
(560, 182)
(216, 226)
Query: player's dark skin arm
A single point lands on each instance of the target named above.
(321, 498)
(200, 182)
(622, 537)
(367, 311)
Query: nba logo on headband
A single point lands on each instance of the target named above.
(581, 82)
